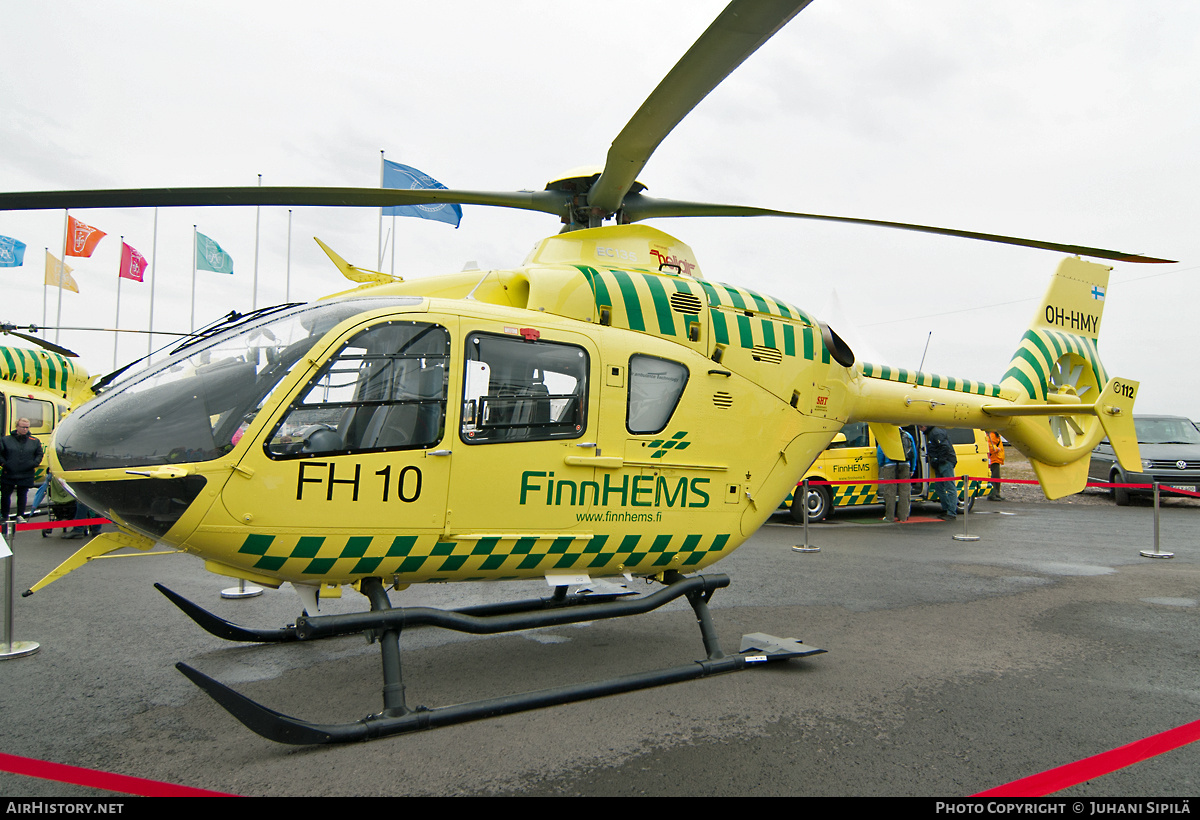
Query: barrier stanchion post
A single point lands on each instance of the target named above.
(805, 547)
(965, 535)
(1155, 553)
(8, 647)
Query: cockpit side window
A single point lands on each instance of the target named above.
(385, 389)
(519, 389)
(195, 404)
(655, 387)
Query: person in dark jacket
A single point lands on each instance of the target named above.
(943, 459)
(20, 456)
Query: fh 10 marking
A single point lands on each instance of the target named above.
(407, 486)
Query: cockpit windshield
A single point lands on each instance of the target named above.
(191, 406)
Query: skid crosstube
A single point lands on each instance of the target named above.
(387, 622)
(215, 625)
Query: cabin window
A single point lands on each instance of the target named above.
(39, 413)
(384, 390)
(856, 434)
(518, 389)
(655, 387)
(961, 435)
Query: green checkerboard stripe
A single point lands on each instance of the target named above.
(428, 558)
(850, 495)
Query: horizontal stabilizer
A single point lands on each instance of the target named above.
(888, 436)
(1037, 409)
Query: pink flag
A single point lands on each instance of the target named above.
(133, 264)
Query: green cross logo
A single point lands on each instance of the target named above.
(675, 442)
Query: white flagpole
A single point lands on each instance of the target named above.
(153, 276)
(381, 167)
(257, 217)
(393, 244)
(287, 288)
(45, 297)
(194, 263)
(62, 270)
(117, 318)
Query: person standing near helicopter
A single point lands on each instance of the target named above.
(943, 459)
(20, 455)
(890, 470)
(995, 459)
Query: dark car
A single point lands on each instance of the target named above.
(1170, 449)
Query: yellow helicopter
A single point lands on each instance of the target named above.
(39, 385)
(601, 411)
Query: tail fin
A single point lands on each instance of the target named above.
(1058, 353)
(1065, 401)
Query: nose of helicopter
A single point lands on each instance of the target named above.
(135, 488)
(126, 455)
(148, 506)
(138, 452)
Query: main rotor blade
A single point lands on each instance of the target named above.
(551, 202)
(638, 207)
(51, 346)
(737, 33)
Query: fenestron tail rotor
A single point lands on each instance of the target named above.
(1066, 379)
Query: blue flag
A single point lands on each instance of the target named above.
(12, 252)
(396, 175)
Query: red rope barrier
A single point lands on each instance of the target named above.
(1062, 777)
(54, 525)
(1162, 488)
(97, 779)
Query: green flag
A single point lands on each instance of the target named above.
(209, 256)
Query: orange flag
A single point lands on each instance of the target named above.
(58, 274)
(81, 239)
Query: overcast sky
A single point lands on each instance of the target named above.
(1067, 121)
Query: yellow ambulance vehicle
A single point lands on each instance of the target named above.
(852, 457)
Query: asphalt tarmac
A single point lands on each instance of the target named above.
(952, 667)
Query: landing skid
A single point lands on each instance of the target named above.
(386, 623)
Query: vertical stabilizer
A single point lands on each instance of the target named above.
(1058, 365)
(1058, 352)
